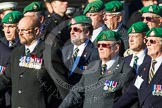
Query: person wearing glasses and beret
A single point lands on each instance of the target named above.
(104, 80)
(32, 86)
(113, 18)
(147, 87)
(77, 55)
(94, 10)
(151, 15)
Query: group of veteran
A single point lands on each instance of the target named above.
(57, 61)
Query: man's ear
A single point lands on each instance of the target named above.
(119, 18)
(37, 31)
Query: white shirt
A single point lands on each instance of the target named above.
(31, 47)
(141, 56)
(157, 65)
(111, 62)
(81, 47)
(96, 32)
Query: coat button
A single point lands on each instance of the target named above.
(19, 91)
(21, 75)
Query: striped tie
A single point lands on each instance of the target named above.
(27, 51)
(103, 68)
(152, 70)
(76, 50)
(135, 62)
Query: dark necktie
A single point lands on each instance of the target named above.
(103, 68)
(152, 70)
(76, 50)
(27, 51)
(135, 62)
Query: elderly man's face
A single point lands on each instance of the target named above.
(97, 20)
(154, 46)
(10, 31)
(136, 41)
(107, 50)
(112, 20)
(152, 20)
(77, 34)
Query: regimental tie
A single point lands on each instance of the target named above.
(103, 68)
(135, 62)
(76, 50)
(152, 70)
(27, 51)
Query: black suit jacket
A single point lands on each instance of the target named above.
(144, 93)
(31, 88)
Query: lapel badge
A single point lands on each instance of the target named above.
(117, 66)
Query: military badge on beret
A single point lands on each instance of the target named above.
(72, 21)
(92, 8)
(152, 33)
(151, 9)
(114, 9)
(133, 30)
(103, 36)
(10, 19)
(35, 7)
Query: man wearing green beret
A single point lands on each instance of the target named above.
(104, 80)
(151, 15)
(147, 86)
(113, 18)
(77, 55)
(5, 8)
(10, 28)
(137, 33)
(94, 10)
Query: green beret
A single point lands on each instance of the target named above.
(113, 6)
(108, 35)
(12, 17)
(154, 32)
(94, 6)
(152, 9)
(81, 19)
(138, 27)
(34, 7)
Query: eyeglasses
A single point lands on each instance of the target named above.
(76, 29)
(26, 31)
(105, 45)
(150, 41)
(149, 19)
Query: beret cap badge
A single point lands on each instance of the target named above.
(10, 19)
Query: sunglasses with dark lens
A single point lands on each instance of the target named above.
(151, 41)
(75, 29)
(147, 18)
(105, 45)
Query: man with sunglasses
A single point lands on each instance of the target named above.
(94, 10)
(77, 55)
(151, 15)
(113, 18)
(105, 80)
(147, 85)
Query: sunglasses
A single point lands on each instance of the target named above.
(151, 41)
(105, 45)
(76, 29)
(149, 19)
